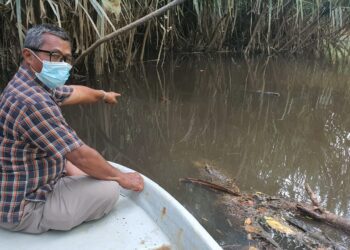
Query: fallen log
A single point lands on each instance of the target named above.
(210, 185)
(258, 208)
(322, 215)
(327, 217)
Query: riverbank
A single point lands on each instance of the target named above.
(250, 28)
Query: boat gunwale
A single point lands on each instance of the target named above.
(193, 236)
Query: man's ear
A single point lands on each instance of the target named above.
(27, 56)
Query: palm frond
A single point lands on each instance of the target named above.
(261, 26)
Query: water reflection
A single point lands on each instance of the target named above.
(271, 124)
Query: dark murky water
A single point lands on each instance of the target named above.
(200, 107)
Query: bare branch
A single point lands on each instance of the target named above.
(312, 195)
(210, 185)
(128, 27)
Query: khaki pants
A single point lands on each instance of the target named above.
(74, 200)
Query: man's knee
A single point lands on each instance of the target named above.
(106, 194)
(109, 192)
(86, 198)
(93, 190)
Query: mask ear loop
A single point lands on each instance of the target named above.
(32, 52)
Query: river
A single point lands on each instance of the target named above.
(271, 124)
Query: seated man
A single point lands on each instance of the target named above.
(49, 179)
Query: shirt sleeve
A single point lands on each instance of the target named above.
(61, 93)
(44, 126)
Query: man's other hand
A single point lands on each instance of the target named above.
(132, 181)
(93, 164)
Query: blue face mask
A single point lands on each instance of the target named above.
(53, 74)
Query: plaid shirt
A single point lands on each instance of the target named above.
(34, 139)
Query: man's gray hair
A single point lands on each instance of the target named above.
(34, 38)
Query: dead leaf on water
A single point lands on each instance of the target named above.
(252, 248)
(251, 229)
(278, 226)
(262, 210)
(248, 221)
(250, 203)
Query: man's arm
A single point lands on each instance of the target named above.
(92, 163)
(82, 95)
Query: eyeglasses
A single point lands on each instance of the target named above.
(55, 56)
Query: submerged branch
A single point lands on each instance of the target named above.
(318, 213)
(327, 217)
(210, 185)
(130, 26)
(312, 195)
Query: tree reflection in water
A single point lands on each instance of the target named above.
(271, 124)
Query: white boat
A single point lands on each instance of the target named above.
(152, 219)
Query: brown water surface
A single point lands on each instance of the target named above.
(270, 124)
